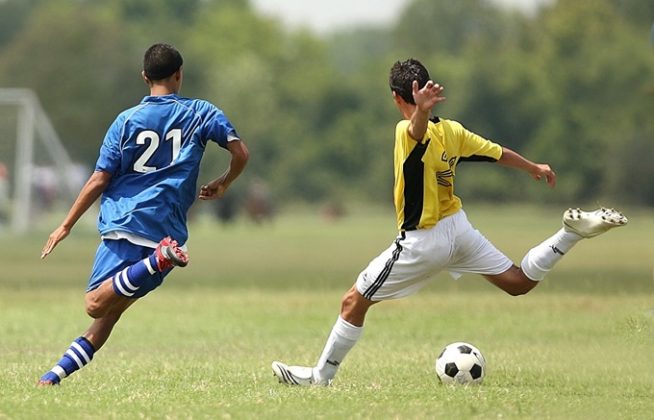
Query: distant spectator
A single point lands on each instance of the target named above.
(45, 181)
(259, 203)
(333, 210)
(226, 209)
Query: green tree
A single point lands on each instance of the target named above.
(80, 65)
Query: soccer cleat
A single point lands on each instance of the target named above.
(590, 224)
(45, 383)
(169, 254)
(296, 375)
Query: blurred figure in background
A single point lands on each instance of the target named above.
(46, 182)
(259, 203)
(226, 209)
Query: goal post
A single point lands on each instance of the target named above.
(33, 123)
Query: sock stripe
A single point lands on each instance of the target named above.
(118, 286)
(121, 290)
(128, 285)
(148, 265)
(80, 351)
(72, 356)
(59, 371)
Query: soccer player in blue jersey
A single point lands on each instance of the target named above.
(434, 232)
(146, 176)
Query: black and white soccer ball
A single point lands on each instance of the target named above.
(461, 363)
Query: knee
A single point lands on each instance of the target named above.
(354, 307)
(94, 311)
(517, 292)
(522, 288)
(349, 301)
(94, 306)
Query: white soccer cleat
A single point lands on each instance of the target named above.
(590, 224)
(296, 375)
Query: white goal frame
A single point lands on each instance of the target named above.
(33, 120)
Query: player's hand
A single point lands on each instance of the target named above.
(542, 170)
(213, 190)
(428, 96)
(55, 237)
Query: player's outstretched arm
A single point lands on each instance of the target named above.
(216, 188)
(87, 196)
(537, 171)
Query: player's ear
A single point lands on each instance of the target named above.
(397, 98)
(145, 78)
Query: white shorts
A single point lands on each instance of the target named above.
(417, 255)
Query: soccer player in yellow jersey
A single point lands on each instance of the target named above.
(435, 234)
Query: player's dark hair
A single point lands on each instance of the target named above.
(402, 75)
(161, 61)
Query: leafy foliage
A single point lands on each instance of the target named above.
(571, 85)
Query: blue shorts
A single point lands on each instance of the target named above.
(115, 255)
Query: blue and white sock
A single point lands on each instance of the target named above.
(78, 355)
(129, 280)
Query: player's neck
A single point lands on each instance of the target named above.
(163, 89)
(407, 110)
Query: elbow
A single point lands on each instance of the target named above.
(242, 154)
(100, 180)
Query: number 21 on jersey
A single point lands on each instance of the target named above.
(152, 139)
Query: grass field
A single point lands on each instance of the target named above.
(579, 346)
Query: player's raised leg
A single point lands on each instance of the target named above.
(166, 256)
(129, 282)
(344, 335)
(577, 225)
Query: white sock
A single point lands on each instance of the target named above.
(542, 258)
(342, 338)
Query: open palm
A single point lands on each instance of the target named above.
(428, 96)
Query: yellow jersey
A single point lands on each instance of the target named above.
(424, 171)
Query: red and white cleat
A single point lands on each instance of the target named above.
(169, 254)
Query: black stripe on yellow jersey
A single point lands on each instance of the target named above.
(425, 170)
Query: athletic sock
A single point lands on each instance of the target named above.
(129, 280)
(342, 338)
(542, 258)
(78, 355)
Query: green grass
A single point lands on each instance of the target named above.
(578, 346)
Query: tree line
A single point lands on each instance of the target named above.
(571, 85)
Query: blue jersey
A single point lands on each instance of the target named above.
(153, 153)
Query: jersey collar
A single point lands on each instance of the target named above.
(159, 98)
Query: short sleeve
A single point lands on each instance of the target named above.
(475, 147)
(110, 156)
(219, 129)
(403, 140)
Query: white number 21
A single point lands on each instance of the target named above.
(140, 164)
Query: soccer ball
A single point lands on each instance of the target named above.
(460, 363)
